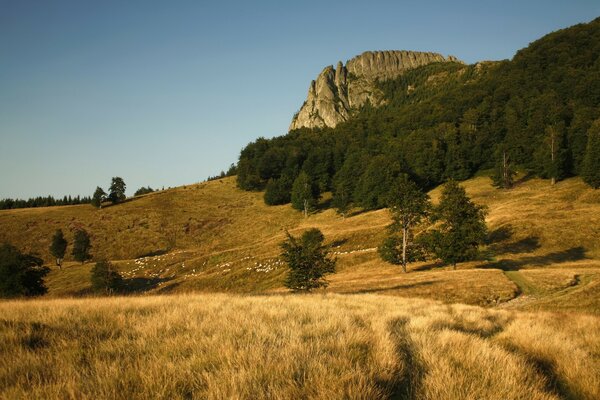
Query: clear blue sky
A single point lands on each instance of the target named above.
(168, 92)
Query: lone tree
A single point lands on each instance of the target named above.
(98, 197)
(20, 274)
(462, 228)
(305, 193)
(105, 278)
(408, 205)
(81, 246)
(590, 170)
(308, 261)
(58, 247)
(117, 190)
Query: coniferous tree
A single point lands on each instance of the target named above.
(117, 190)
(462, 228)
(20, 274)
(346, 180)
(105, 278)
(81, 246)
(58, 247)
(308, 261)
(590, 169)
(98, 197)
(305, 193)
(504, 173)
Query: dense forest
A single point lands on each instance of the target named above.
(448, 121)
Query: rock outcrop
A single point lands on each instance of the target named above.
(336, 93)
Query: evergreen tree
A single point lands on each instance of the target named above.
(105, 278)
(462, 228)
(98, 197)
(408, 205)
(20, 274)
(117, 190)
(504, 173)
(308, 261)
(58, 247)
(81, 246)
(305, 193)
(590, 170)
(345, 181)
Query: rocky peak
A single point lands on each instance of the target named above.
(336, 93)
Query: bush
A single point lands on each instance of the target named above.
(105, 278)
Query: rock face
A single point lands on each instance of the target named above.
(336, 93)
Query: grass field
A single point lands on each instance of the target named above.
(216, 346)
(212, 237)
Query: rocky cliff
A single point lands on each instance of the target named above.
(336, 93)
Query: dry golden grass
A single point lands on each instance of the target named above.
(222, 239)
(296, 346)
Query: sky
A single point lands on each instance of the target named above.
(166, 93)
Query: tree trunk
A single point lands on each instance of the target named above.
(305, 208)
(404, 234)
(454, 266)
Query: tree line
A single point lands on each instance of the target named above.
(41, 201)
(538, 112)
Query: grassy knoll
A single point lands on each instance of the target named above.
(201, 346)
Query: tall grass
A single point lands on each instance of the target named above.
(282, 347)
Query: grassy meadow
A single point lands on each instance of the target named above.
(216, 346)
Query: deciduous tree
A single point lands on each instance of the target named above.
(81, 246)
(58, 247)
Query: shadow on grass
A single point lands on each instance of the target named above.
(428, 267)
(153, 253)
(139, 285)
(397, 287)
(497, 239)
(572, 254)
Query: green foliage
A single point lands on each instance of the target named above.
(590, 170)
(20, 274)
(98, 197)
(278, 191)
(58, 247)
(408, 205)
(504, 173)
(105, 278)
(308, 261)
(117, 190)
(81, 246)
(390, 249)
(462, 226)
(143, 190)
(447, 120)
(305, 193)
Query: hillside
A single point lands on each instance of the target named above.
(544, 245)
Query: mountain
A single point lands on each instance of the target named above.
(437, 120)
(337, 93)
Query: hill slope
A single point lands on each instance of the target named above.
(215, 237)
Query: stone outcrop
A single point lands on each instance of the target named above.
(339, 91)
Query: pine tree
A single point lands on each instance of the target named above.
(98, 197)
(462, 228)
(117, 190)
(105, 278)
(305, 193)
(308, 261)
(590, 170)
(58, 247)
(504, 173)
(81, 246)
(408, 205)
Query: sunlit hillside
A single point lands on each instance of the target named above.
(544, 245)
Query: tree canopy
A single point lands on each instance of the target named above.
(20, 274)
